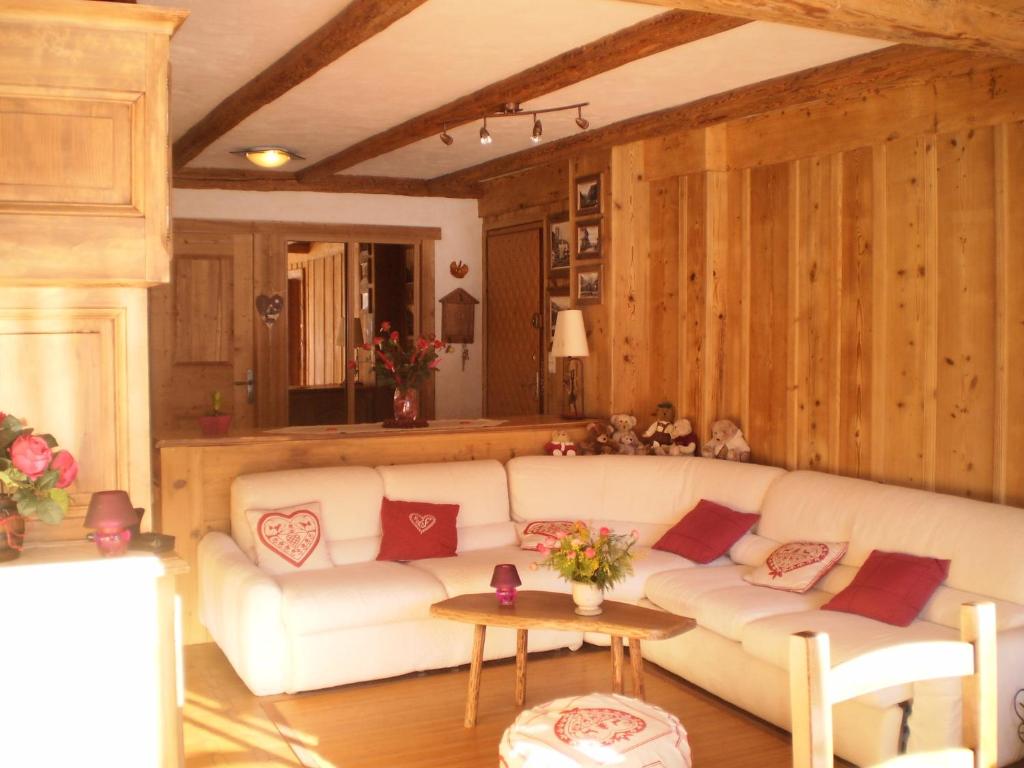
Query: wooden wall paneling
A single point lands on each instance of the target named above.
(769, 227)
(856, 313)
(270, 277)
(427, 302)
(966, 274)
(695, 224)
(909, 341)
(664, 331)
(1009, 304)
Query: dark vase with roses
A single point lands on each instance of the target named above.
(34, 477)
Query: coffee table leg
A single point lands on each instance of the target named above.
(637, 662)
(616, 664)
(521, 636)
(475, 670)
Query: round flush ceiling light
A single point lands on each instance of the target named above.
(268, 157)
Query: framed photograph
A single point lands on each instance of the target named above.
(588, 239)
(558, 242)
(589, 286)
(555, 305)
(588, 195)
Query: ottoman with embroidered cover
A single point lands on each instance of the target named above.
(594, 730)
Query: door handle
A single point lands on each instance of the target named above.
(250, 385)
(535, 321)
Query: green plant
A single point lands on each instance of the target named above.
(601, 559)
(34, 471)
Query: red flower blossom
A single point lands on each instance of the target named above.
(422, 344)
(438, 344)
(385, 326)
(65, 463)
(394, 336)
(378, 340)
(31, 455)
(434, 364)
(352, 364)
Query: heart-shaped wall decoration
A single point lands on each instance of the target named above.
(459, 269)
(269, 308)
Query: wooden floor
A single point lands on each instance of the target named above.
(416, 721)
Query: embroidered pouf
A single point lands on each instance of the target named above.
(594, 730)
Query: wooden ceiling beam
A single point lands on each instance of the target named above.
(847, 78)
(358, 22)
(963, 25)
(638, 41)
(279, 181)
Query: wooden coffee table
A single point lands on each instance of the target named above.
(551, 610)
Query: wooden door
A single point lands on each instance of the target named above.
(514, 329)
(201, 332)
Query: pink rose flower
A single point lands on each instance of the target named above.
(605, 530)
(635, 533)
(561, 535)
(434, 364)
(65, 463)
(438, 344)
(542, 548)
(31, 455)
(590, 552)
(394, 336)
(422, 344)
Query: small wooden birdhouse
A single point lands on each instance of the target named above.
(458, 310)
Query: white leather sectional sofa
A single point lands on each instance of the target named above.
(363, 619)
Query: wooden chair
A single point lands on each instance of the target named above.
(815, 685)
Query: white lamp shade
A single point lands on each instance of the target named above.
(570, 335)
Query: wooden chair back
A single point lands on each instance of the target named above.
(815, 686)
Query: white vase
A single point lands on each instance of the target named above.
(588, 598)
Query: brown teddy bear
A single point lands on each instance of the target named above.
(622, 424)
(684, 442)
(560, 444)
(598, 439)
(662, 430)
(726, 442)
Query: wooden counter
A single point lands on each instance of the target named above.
(196, 472)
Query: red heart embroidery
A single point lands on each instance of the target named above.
(422, 523)
(293, 536)
(605, 726)
(794, 555)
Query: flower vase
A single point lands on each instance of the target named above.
(588, 598)
(12, 529)
(407, 404)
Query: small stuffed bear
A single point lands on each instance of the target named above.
(662, 430)
(684, 442)
(622, 424)
(726, 442)
(560, 445)
(598, 439)
(629, 444)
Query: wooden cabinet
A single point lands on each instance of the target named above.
(84, 187)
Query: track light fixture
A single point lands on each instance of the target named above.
(514, 109)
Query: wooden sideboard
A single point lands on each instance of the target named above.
(196, 473)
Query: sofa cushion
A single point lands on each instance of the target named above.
(289, 539)
(797, 565)
(892, 587)
(728, 611)
(752, 549)
(414, 530)
(849, 636)
(706, 531)
(677, 590)
(545, 532)
(356, 595)
(471, 571)
(647, 562)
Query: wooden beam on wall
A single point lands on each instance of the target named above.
(843, 79)
(358, 22)
(278, 181)
(957, 24)
(638, 41)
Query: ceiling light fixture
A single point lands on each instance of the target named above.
(514, 109)
(581, 121)
(268, 156)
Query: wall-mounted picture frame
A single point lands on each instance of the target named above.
(589, 284)
(558, 242)
(588, 239)
(588, 194)
(555, 305)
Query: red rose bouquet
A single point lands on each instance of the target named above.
(400, 367)
(34, 471)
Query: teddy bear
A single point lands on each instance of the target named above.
(726, 442)
(622, 424)
(662, 430)
(684, 442)
(598, 439)
(560, 444)
(629, 444)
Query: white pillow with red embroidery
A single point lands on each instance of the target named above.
(289, 539)
(797, 565)
(544, 532)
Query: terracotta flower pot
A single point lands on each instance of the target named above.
(215, 426)
(12, 529)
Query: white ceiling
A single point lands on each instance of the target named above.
(446, 49)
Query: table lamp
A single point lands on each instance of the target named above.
(111, 514)
(571, 343)
(505, 580)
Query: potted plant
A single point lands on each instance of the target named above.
(215, 423)
(591, 563)
(405, 370)
(34, 476)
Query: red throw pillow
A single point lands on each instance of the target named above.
(416, 530)
(706, 532)
(891, 587)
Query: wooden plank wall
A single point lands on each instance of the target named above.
(848, 286)
(324, 309)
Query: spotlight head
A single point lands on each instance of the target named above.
(446, 139)
(485, 135)
(538, 131)
(581, 121)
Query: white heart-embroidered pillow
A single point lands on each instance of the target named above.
(289, 539)
(797, 565)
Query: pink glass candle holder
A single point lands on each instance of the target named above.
(112, 542)
(505, 580)
(111, 514)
